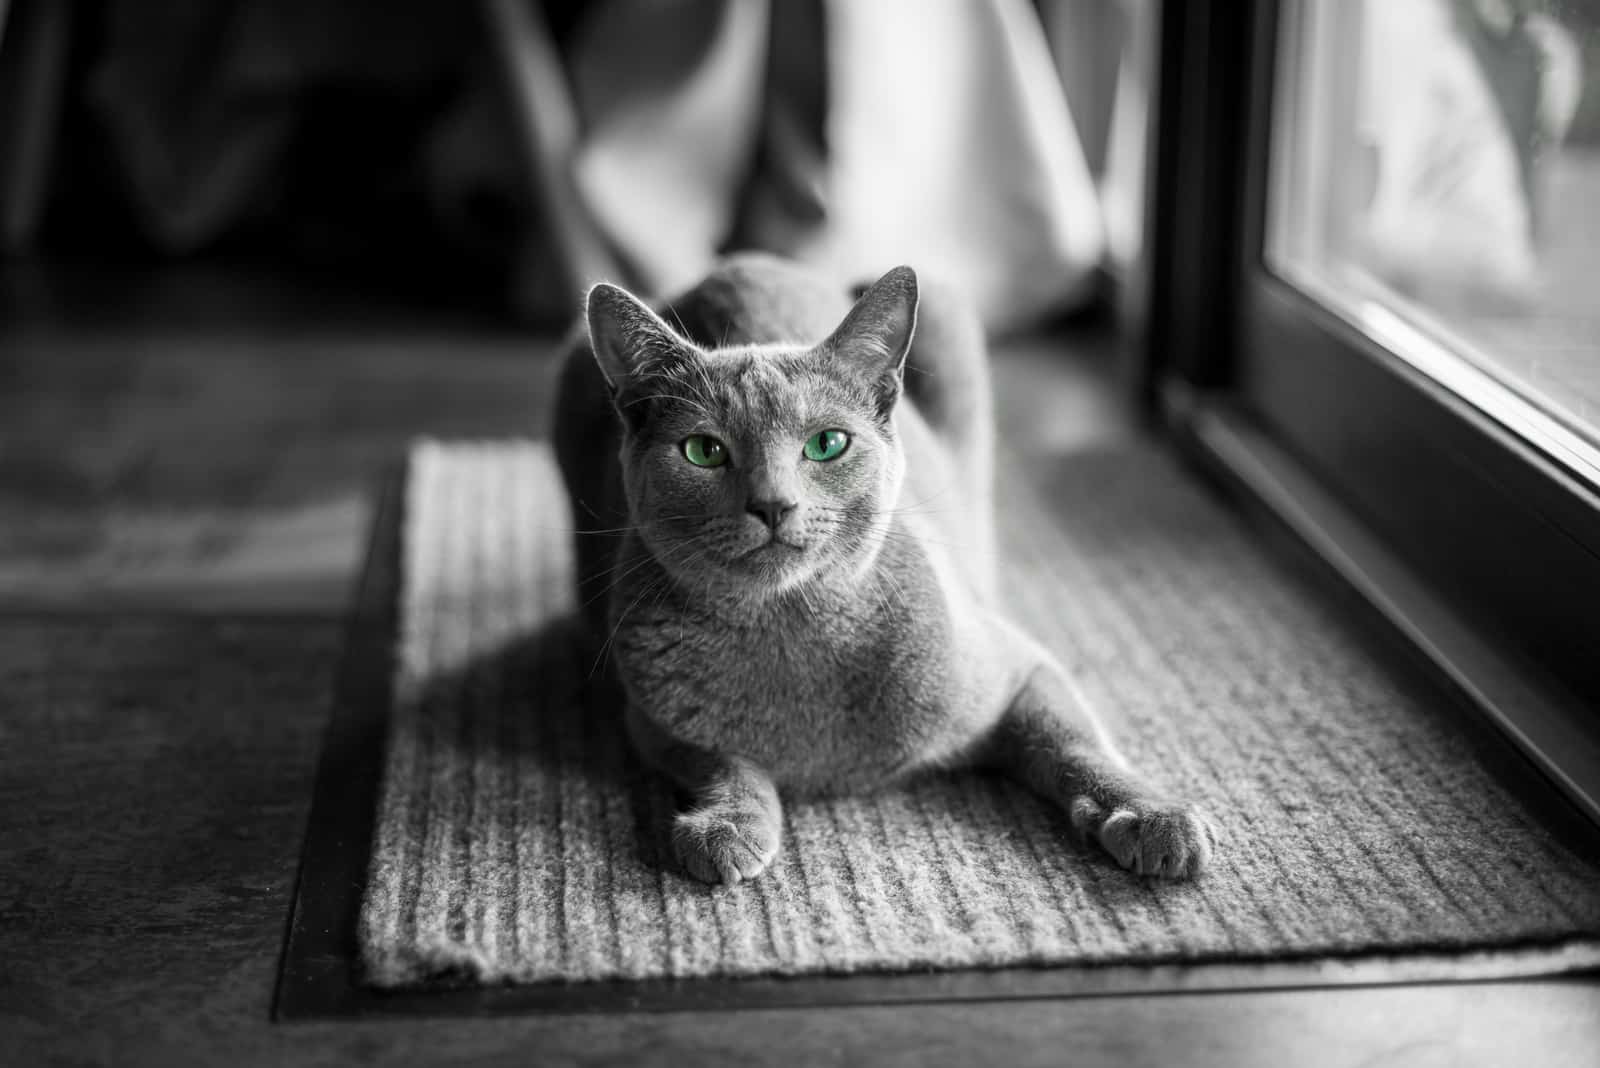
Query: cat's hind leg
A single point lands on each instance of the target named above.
(734, 824)
(1050, 740)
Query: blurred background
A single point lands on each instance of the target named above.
(1437, 171)
(500, 155)
(253, 247)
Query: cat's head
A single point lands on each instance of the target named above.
(757, 468)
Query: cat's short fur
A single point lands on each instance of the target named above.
(786, 625)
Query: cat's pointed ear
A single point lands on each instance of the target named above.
(876, 336)
(627, 337)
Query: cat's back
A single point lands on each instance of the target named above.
(757, 299)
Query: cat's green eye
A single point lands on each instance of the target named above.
(826, 445)
(703, 450)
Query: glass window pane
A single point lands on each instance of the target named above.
(1436, 179)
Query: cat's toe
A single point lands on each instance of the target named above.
(1159, 839)
(721, 847)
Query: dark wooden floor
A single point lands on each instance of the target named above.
(185, 477)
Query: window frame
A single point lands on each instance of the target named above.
(1378, 467)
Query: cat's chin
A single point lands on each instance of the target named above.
(772, 554)
(775, 563)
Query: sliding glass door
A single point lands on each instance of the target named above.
(1435, 179)
(1403, 307)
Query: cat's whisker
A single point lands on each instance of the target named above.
(645, 559)
(666, 588)
(702, 387)
(632, 527)
(687, 401)
(681, 378)
(623, 615)
(959, 547)
(660, 586)
(914, 505)
(879, 597)
(663, 541)
(638, 528)
(620, 570)
(916, 538)
(683, 614)
(925, 511)
(895, 587)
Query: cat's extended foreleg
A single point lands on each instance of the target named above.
(1049, 739)
(733, 826)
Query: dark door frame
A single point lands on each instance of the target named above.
(1480, 549)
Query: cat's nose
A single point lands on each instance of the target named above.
(770, 512)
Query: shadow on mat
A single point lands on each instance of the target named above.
(544, 703)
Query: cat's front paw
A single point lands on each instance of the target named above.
(1148, 837)
(724, 844)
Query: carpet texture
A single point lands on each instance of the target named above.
(517, 839)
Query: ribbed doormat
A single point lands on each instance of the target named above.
(517, 840)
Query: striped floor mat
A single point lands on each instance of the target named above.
(517, 840)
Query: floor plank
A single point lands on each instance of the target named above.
(157, 461)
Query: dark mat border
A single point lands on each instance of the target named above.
(320, 976)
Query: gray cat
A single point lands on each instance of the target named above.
(785, 539)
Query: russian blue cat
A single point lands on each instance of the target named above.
(788, 501)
